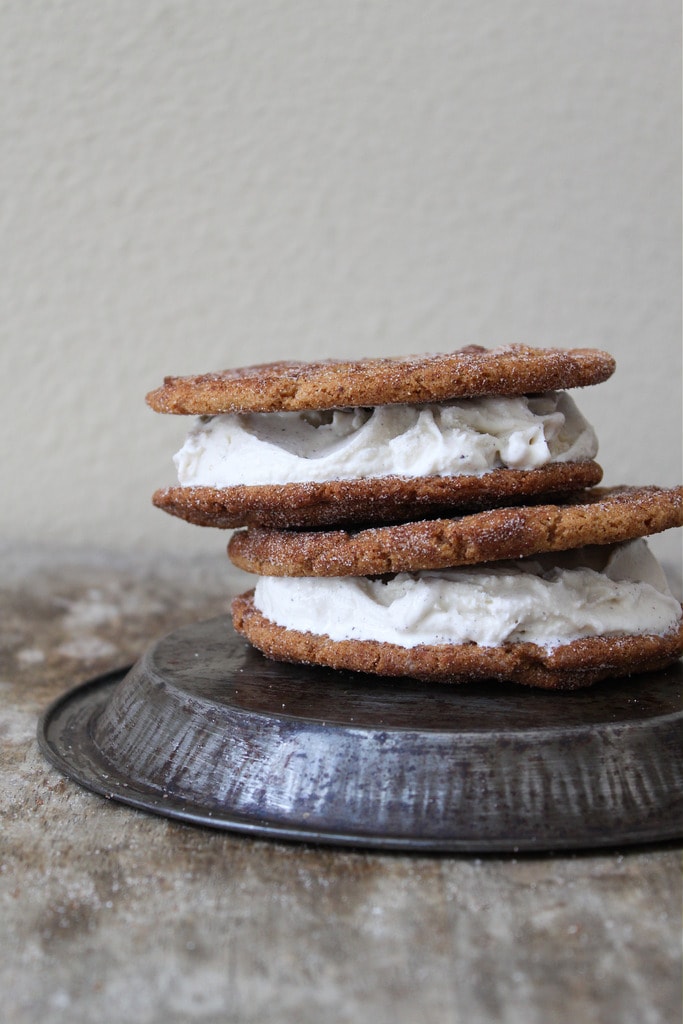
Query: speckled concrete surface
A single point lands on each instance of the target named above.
(110, 914)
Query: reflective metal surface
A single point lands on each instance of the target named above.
(204, 729)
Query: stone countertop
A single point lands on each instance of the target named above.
(107, 913)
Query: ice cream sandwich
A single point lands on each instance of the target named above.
(554, 596)
(337, 442)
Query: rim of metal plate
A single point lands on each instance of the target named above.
(64, 737)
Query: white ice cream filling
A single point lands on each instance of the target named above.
(471, 437)
(547, 600)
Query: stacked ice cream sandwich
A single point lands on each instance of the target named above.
(434, 517)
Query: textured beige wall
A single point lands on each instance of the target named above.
(191, 185)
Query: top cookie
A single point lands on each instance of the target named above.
(333, 384)
(607, 515)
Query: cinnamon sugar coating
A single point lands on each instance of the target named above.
(599, 516)
(335, 383)
(569, 667)
(380, 500)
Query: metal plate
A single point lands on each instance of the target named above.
(206, 730)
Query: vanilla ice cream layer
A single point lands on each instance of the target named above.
(548, 600)
(470, 437)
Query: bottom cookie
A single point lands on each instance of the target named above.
(568, 667)
(387, 499)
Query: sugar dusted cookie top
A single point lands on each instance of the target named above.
(598, 516)
(333, 384)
